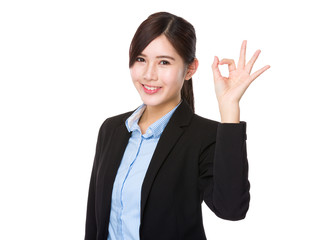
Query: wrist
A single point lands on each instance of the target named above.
(229, 112)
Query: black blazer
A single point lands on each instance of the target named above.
(196, 159)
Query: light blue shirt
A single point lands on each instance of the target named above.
(126, 194)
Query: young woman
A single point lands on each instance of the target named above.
(154, 166)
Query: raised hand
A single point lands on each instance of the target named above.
(230, 89)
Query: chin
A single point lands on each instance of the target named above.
(151, 102)
(157, 102)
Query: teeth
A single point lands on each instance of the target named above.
(151, 88)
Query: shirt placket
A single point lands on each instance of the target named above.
(139, 142)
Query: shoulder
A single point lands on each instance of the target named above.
(112, 122)
(217, 130)
(117, 120)
(202, 130)
(204, 123)
(196, 126)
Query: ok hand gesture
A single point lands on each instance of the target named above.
(229, 90)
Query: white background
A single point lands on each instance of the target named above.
(64, 70)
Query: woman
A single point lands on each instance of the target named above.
(154, 166)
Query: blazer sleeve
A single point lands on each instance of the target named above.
(224, 172)
(91, 223)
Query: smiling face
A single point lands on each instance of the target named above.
(158, 74)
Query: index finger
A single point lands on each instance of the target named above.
(241, 63)
(215, 68)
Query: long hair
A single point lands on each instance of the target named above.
(180, 34)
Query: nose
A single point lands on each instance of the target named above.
(150, 73)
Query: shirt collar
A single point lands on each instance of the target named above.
(133, 119)
(154, 129)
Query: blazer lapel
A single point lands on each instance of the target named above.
(117, 147)
(167, 141)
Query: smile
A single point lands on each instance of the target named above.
(150, 89)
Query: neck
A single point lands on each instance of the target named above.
(154, 113)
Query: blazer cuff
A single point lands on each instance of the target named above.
(233, 129)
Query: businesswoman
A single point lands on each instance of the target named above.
(155, 165)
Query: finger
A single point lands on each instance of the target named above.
(230, 62)
(252, 61)
(215, 68)
(259, 72)
(241, 63)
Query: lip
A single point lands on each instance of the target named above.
(151, 91)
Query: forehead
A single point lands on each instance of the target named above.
(160, 46)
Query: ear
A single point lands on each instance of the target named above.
(191, 69)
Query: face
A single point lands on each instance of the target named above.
(158, 74)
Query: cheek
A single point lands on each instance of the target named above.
(134, 74)
(173, 77)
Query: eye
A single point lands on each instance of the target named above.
(140, 59)
(163, 62)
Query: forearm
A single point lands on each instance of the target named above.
(231, 186)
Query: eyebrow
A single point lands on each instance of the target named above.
(162, 56)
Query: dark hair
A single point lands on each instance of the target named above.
(181, 35)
